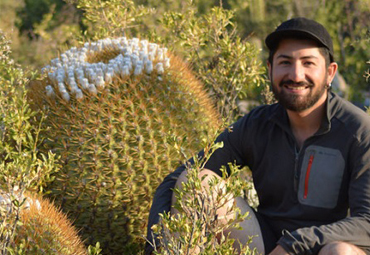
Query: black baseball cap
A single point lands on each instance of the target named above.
(302, 28)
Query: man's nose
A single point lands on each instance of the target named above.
(297, 73)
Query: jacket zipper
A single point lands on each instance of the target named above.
(296, 169)
(306, 181)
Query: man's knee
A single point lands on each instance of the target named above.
(205, 172)
(205, 175)
(216, 193)
(339, 248)
(182, 178)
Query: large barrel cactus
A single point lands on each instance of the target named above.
(41, 228)
(122, 115)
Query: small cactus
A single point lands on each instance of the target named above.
(42, 229)
(122, 115)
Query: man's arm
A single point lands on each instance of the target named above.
(161, 203)
(353, 230)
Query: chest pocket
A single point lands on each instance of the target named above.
(321, 177)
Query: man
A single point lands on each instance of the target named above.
(309, 154)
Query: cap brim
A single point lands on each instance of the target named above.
(273, 39)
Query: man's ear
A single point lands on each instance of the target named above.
(269, 68)
(332, 69)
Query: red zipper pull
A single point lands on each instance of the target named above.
(307, 177)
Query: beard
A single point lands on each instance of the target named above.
(299, 103)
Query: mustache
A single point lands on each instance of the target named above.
(301, 83)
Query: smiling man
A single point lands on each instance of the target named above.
(309, 155)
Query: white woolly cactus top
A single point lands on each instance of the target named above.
(71, 74)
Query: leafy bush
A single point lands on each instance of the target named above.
(112, 18)
(350, 35)
(196, 226)
(228, 66)
(22, 166)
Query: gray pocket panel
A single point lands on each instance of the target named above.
(320, 177)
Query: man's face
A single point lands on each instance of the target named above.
(299, 75)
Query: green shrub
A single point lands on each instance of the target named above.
(196, 225)
(22, 166)
(229, 67)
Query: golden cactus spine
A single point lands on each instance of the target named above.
(117, 144)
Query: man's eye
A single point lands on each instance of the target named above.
(284, 63)
(308, 63)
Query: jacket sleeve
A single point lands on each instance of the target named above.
(161, 203)
(230, 152)
(355, 228)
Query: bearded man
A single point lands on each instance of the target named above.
(309, 155)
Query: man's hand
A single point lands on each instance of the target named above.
(278, 251)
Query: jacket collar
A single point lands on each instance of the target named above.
(280, 117)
